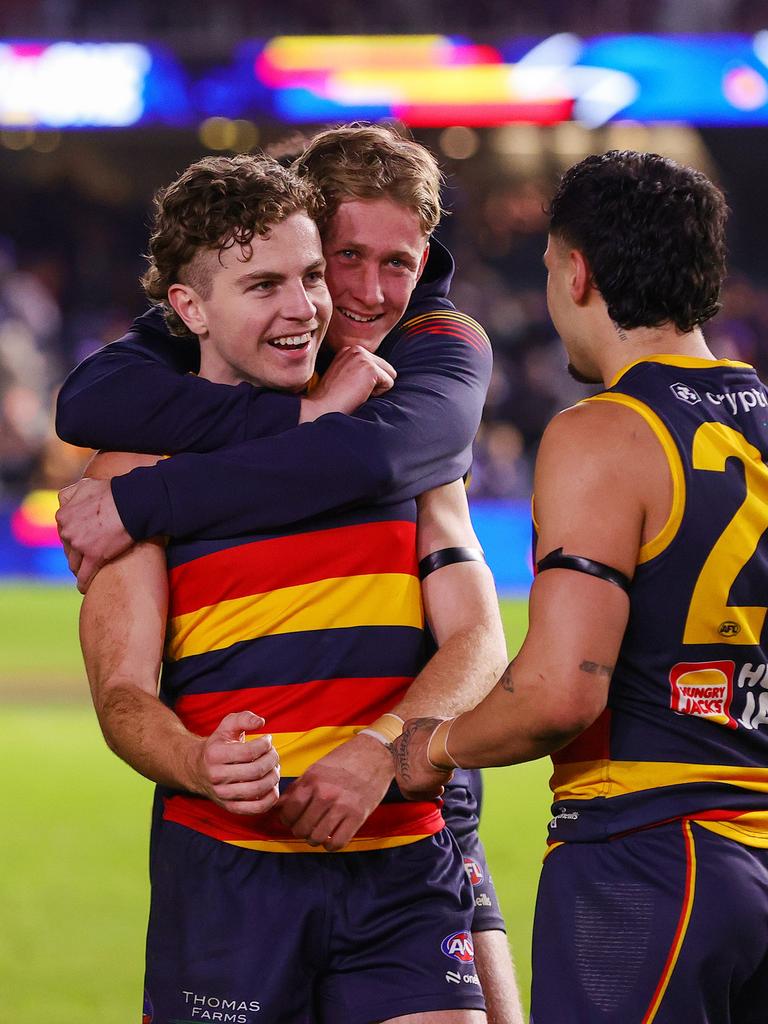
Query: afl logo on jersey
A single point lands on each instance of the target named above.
(474, 871)
(685, 393)
(459, 946)
(729, 629)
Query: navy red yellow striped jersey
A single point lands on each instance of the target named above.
(319, 631)
(685, 731)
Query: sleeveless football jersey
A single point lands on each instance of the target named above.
(685, 731)
(319, 631)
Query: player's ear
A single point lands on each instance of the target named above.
(423, 261)
(188, 305)
(580, 276)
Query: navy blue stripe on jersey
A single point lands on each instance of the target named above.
(287, 658)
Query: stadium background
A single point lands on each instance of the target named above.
(506, 97)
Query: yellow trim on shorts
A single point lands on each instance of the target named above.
(681, 930)
(749, 829)
(669, 530)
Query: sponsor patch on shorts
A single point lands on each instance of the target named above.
(474, 871)
(459, 946)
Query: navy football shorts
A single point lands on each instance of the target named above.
(268, 938)
(668, 925)
(461, 810)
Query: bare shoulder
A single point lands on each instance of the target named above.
(602, 483)
(598, 426)
(105, 465)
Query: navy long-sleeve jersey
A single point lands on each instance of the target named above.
(245, 463)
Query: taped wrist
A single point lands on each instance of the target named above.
(438, 754)
(385, 729)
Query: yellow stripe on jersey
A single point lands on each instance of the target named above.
(382, 599)
(668, 531)
(684, 362)
(583, 780)
(299, 750)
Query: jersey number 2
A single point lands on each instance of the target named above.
(710, 618)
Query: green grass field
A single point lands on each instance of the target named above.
(73, 885)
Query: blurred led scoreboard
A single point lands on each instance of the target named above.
(424, 81)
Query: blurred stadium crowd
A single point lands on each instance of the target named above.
(226, 21)
(71, 284)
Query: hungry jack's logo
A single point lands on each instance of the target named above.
(703, 689)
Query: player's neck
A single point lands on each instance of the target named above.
(646, 342)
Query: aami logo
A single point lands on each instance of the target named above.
(459, 946)
(474, 871)
(703, 689)
(685, 393)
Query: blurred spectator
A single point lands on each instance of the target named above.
(500, 468)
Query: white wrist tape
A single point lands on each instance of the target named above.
(385, 729)
(438, 754)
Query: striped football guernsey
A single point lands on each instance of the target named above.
(685, 732)
(319, 631)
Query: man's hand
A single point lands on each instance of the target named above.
(333, 798)
(354, 376)
(414, 774)
(240, 775)
(90, 528)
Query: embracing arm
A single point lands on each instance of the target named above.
(141, 393)
(416, 437)
(122, 633)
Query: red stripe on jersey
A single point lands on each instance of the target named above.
(396, 819)
(266, 565)
(297, 707)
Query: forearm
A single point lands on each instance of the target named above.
(148, 736)
(415, 438)
(458, 675)
(509, 727)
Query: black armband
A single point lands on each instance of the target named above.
(447, 556)
(557, 560)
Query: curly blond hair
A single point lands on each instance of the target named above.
(368, 161)
(217, 202)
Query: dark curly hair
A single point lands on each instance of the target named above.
(368, 161)
(653, 233)
(216, 203)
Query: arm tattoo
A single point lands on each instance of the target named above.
(401, 748)
(507, 682)
(596, 670)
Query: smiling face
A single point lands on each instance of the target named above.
(375, 251)
(266, 311)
